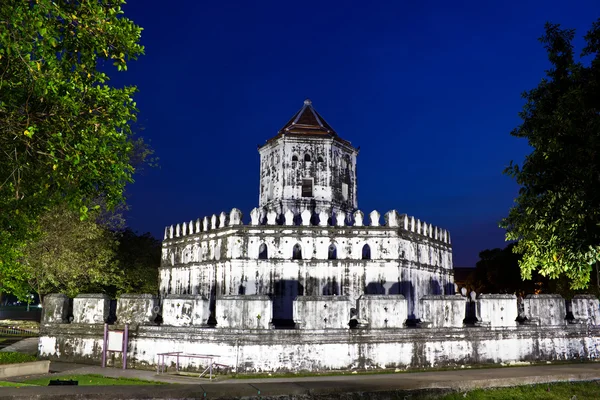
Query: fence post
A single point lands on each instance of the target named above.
(104, 345)
(125, 345)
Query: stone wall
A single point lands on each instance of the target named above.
(250, 344)
(327, 162)
(185, 310)
(322, 312)
(244, 312)
(321, 350)
(382, 311)
(497, 310)
(91, 308)
(220, 255)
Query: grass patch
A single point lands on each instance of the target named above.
(93, 380)
(384, 371)
(13, 384)
(546, 391)
(14, 358)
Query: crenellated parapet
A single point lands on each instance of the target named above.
(321, 312)
(331, 333)
(260, 217)
(387, 253)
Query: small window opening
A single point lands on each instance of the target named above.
(263, 252)
(307, 188)
(294, 158)
(345, 191)
(332, 253)
(270, 190)
(307, 157)
(297, 252)
(320, 159)
(366, 252)
(346, 163)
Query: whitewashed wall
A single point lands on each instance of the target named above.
(281, 178)
(322, 345)
(408, 257)
(321, 350)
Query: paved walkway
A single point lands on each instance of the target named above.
(28, 346)
(308, 387)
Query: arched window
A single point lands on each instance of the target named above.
(366, 252)
(320, 159)
(332, 253)
(263, 252)
(307, 157)
(297, 252)
(294, 158)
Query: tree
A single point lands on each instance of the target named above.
(138, 257)
(65, 133)
(498, 271)
(70, 255)
(556, 218)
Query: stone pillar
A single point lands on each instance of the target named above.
(440, 311)
(55, 309)
(185, 310)
(137, 309)
(244, 312)
(585, 309)
(322, 312)
(91, 308)
(497, 310)
(545, 309)
(383, 311)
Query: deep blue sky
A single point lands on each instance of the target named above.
(429, 91)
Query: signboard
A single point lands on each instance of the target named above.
(115, 341)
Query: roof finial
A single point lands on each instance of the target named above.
(307, 102)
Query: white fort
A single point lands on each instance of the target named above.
(307, 237)
(311, 284)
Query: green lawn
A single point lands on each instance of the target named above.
(13, 384)
(13, 358)
(92, 380)
(552, 391)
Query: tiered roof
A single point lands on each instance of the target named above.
(308, 122)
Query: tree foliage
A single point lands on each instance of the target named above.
(71, 255)
(138, 257)
(556, 218)
(65, 132)
(497, 271)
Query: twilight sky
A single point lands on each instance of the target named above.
(429, 90)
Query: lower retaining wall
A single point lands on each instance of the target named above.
(26, 368)
(331, 349)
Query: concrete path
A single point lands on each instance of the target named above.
(377, 386)
(28, 346)
(309, 387)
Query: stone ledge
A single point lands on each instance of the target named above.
(26, 368)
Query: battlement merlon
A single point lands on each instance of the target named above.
(401, 240)
(259, 217)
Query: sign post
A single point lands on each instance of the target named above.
(117, 342)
